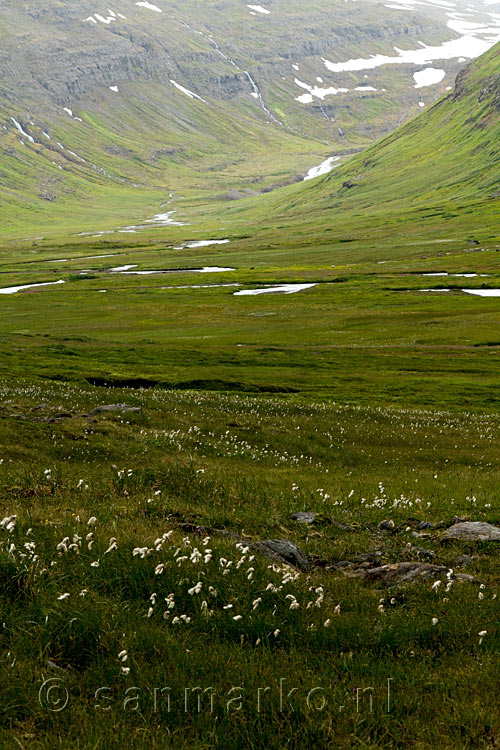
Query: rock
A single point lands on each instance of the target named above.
(405, 572)
(473, 531)
(367, 559)
(308, 517)
(457, 519)
(340, 525)
(464, 560)
(422, 553)
(442, 525)
(304, 517)
(114, 408)
(424, 525)
(386, 526)
(57, 417)
(280, 550)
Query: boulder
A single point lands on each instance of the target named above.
(114, 408)
(386, 526)
(473, 531)
(282, 551)
(424, 525)
(304, 516)
(405, 572)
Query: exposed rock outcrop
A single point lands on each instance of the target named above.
(473, 531)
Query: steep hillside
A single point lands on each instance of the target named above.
(439, 173)
(104, 112)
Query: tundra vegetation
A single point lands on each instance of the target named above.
(262, 520)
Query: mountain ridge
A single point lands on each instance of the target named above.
(120, 104)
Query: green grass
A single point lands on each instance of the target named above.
(362, 398)
(358, 335)
(242, 464)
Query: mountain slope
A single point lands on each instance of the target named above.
(170, 306)
(105, 112)
(441, 171)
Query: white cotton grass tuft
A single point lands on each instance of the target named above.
(9, 523)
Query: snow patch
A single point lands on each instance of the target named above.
(483, 292)
(149, 6)
(284, 289)
(467, 46)
(324, 168)
(205, 269)
(22, 131)
(428, 77)
(305, 98)
(202, 243)
(318, 92)
(259, 9)
(107, 20)
(15, 289)
(209, 269)
(189, 93)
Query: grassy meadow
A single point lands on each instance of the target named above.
(129, 621)
(137, 607)
(136, 611)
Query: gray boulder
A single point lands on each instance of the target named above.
(303, 516)
(473, 531)
(282, 551)
(405, 573)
